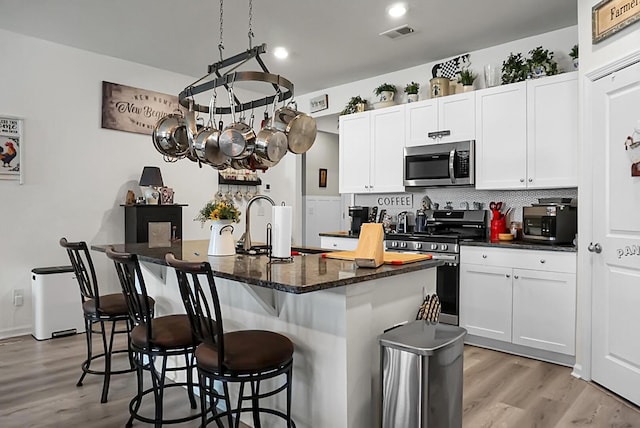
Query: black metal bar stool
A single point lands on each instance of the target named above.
(98, 310)
(153, 341)
(237, 357)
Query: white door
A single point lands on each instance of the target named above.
(616, 234)
(457, 114)
(355, 133)
(420, 119)
(387, 150)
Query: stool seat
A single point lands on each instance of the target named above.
(247, 351)
(170, 331)
(110, 305)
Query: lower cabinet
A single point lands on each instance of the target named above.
(338, 244)
(524, 297)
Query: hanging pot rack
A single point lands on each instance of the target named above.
(282, 86)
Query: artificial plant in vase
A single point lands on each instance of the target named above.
(412, 91)
(514, 69)
(385, 92)
(541, 63)
(356, 104)
(573, 53)
(466, 78)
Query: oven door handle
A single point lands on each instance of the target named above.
(452, 158)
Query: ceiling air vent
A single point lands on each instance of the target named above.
(398, 32)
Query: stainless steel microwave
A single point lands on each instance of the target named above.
(443, 164)
(550, 223)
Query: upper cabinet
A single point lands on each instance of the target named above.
(440, 120)
(526, 134)
(371, 151)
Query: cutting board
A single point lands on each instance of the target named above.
(390, 258)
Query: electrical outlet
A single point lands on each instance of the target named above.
(18, 297)
(267, 188)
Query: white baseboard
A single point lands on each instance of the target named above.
(16, 331)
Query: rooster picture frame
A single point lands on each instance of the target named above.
(11, 146)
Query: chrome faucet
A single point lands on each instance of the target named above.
(245, 239)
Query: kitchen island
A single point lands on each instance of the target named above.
(332, 310)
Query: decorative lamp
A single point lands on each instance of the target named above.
(151, 180)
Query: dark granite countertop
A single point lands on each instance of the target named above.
(521, 245)
(310, 272)
(341, 234)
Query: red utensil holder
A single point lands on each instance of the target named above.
(498, 226)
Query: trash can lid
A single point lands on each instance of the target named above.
(422, 337)
(51, 270)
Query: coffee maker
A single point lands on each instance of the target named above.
(358, 216)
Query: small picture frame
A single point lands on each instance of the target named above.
(166, 196)
(322, 177)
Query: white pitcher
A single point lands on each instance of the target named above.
(221, 242)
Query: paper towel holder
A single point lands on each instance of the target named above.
(272, 258)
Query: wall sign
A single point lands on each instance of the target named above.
(403, 200)
(610, 16)
(318, 103)
(11, 146)
(129, 109)
(628, 250)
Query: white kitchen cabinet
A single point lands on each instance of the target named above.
(526, 134)
(453, 113)
(523, 297)
(371, 151)
(338, 244)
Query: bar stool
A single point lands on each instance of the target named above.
(237, 357)
(153, 339)
(97, 309)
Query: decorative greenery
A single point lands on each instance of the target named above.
(574, 52)
(385, 87)
(352, 105)
(218, 210)
(514, 69)
(412, 88)
(466, 77)
(541, 63)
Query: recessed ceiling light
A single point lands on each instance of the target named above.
(280, 52)
(397, 10)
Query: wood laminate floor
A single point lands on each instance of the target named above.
(37, 389)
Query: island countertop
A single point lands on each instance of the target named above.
(308, 272)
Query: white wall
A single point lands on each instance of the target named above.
(559, 41)
(76, 174)
(323, 154)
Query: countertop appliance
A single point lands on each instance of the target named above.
(441, 238)
(553, 223)
(405, 222)
(358, 216)
(435, 165)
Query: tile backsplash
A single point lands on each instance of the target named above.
(458, 195)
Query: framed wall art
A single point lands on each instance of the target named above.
(11, 147)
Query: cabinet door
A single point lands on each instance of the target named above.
(355, 132)
(420, 119)
(485, 301)
(552, 128)
(387, 150)
(342, 244)
(457, 114)
(501, 137)
(544, 310)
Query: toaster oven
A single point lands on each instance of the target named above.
(550, 223)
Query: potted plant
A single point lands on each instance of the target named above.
(540, 63)
(574, 56)
(355, 105)
(412, 91)
(514, 69)
(218, 210)
(385, 92)
(466, 78)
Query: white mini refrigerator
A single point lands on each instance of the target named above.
(57, 307)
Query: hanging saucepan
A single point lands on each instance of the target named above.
(300, 128)
(170, 136)
(238, 139)
(271, 144)
(206, 142)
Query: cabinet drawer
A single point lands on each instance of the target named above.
(344, 244)
(552, 261)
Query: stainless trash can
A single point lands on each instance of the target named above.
(421, 366)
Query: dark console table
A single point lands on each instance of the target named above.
(138, 217)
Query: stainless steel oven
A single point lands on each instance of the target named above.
(445, 164)
(441, 239)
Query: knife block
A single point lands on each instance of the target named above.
(370, 250)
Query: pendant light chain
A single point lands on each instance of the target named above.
(221, 45)
(251, 35)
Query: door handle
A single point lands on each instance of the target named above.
(452, 171)
(594, 248)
